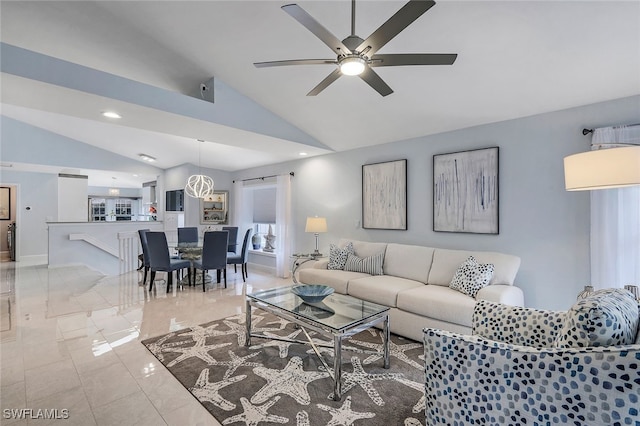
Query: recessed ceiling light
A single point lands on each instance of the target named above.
(146, 157)
(303, 154)
(111, 114)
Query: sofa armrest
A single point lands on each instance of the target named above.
(487, 382)
(321, 264)
(516, 325)
(499, 293)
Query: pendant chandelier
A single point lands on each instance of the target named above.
(199, 186)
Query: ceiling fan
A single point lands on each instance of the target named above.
(357, 56)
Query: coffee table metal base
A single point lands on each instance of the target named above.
(338, 335)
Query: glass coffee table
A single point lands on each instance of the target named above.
(338, 315)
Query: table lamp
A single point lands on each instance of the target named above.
(316, 225)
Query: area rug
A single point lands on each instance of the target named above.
(277, 382)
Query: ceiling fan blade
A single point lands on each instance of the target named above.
(413, 59)
(325, 83)
(294, 62)
(300, 15)
(376, 82)
(398, 22)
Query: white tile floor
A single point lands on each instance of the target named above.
(70, 340)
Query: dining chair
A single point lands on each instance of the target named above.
(214, 255)
(188, 234)
(241, 259)
(233, 238)
(160, 260)
(142, 233)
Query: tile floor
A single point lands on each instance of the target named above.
(70, 339)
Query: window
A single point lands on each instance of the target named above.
(264, 212)
(113, 209)
(98, 210)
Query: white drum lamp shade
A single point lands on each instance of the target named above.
(602, 169)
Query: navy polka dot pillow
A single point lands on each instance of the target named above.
(338, 256)
(605, 318)
(471, 276)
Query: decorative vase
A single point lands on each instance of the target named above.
(588, 289)
(255, 240)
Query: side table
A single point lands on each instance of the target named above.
(300, 259)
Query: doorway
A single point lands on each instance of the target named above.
(8, 227)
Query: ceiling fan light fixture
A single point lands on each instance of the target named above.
(352, 65)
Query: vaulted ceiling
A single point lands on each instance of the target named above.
(515, 58)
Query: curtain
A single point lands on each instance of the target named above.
(615, 220)
(284, 230)
(240, 212)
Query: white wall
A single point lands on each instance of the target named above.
(37, 203)
(539, 221)
(73, 201)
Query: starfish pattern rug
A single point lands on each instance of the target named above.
(275, 382)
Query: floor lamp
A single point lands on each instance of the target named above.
(603, 169)
(316, 225)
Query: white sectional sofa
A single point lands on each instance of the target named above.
(415, 285)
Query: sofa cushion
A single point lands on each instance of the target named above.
(471, 276)
(337, 279)
(437, 302)
(363, 248)
(338, 256)
(369, 265)
(382, 289)
(604, 318)
(406, 261)
(446, 262)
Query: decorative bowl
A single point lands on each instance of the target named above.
(312, 293)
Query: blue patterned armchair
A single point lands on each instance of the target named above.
(525, 366)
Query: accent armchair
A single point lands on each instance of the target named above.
(518, 369)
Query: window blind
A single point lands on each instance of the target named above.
(264, 205)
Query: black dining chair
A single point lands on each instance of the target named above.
(142, 233)
(214, 255)
(241, 259)
(233, 238)
(159, 259)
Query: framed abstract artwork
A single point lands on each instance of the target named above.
(384, 195)
(465, 191)
(5, 203)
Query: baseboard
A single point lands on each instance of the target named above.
(262, 268)
(33, 260)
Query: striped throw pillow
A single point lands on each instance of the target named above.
(369, 265)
